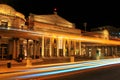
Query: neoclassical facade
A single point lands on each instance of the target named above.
(54, 36)
(43, 36)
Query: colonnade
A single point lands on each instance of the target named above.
(51, 47)
(105, 50)
(43, 47)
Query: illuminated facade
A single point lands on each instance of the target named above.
(9, 19)
(105, 32)
(55, 36)
(44, 36)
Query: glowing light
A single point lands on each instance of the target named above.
(71, 67)
(74, 37)
(8, 10)
(55, 9)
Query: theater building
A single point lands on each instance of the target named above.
(55, 41)
(43, 36)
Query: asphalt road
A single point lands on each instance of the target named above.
(111, 72)
(104, 69)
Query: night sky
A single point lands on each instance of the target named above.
(95, 13)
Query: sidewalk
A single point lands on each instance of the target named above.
(17, 66)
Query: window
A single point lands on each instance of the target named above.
(4, 24)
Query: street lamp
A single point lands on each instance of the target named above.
(85, 25)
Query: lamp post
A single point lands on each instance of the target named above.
(85, 25)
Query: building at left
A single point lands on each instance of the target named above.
(10, 22)
(44, 36)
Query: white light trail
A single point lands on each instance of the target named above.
(70, 67)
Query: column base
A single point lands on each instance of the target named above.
(72, 59)
(28, 62)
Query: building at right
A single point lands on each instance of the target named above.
(96, 50)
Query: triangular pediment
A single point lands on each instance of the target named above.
(53, 19)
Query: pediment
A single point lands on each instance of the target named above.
(53, 19)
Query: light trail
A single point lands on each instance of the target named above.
(69, 68)
(65, 35)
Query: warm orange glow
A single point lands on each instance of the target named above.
(93, 40)
(99, 40)
(86, 39)
(64, 36)
(20, 15)
(8, 10)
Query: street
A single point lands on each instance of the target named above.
(78, 70)
(104, 73)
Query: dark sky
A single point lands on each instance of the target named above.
(95, 13)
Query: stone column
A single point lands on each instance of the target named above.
(18, 47)
(14, 49)
(28, 61)
(50, 47)
(39, 48)
(73, 51)
(80, 48)
(27, 49)
(108, 49)
(74, 47)
(64, 50)
(31, 47)
(115, 50)
(57, 40)
(69, 48)
(112, 50)
(42, 46)
(10, 47)
(104, 50)
(34, 48)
